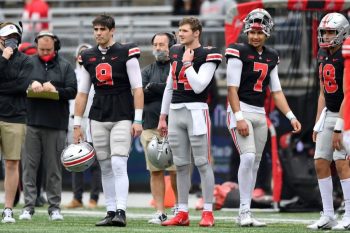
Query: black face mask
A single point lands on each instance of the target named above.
(11, 42)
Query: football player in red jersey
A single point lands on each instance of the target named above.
(116, 113)
(184, 102)
(251, 69)
(332, 31)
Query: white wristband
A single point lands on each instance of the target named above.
(339, 125)
(138, 114)
(239, 116)
(290, 115)
(77, 120)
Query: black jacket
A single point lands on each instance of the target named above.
(15, 76)
(52, 113)
(154, 77)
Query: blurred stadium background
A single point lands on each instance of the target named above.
(293, 37)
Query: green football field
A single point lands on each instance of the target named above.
(82, 220)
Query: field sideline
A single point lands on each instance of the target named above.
(82, 220)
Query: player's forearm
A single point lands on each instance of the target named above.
(80, 104)
(280, 102)
(138, 98)
(320, 105)
(233, 98)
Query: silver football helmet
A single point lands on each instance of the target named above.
(78, 157)
(336, 22)
(258, 19)
(159, 153)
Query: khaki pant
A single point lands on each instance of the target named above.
(11, 139)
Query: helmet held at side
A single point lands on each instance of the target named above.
(258, 19)
(159, 153)
(78, 157)
(333, 22)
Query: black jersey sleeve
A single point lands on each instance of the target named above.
(133, 51)
(213, 55)
(275, 55)
(233, 51)
(87, 55)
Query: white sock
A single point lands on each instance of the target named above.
(326, 189)
(119, 165)
(208, 207)
(345, 184)
(245, 180)
(183, 207)
(107, 178)
(255, 173)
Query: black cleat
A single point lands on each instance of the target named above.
(119, 219)
(107, 221)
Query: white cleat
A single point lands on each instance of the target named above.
(245, 219)
(325, 222)
(343, 225)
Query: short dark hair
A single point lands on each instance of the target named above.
(194, 23)
(104, 20)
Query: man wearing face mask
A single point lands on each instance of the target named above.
(15, 69)
(154, 80)
(47, 124)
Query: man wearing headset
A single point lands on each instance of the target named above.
(47, 123)
(153, 81)
(15, 68)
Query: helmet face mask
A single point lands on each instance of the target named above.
(78, 157)
(258, 19)
(159, 153)
(333, 22)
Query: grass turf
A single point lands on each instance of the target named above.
(83, 220)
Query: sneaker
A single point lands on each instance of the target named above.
(26, 214)
(119, 219)
(207, 219)
(181, 219)
(343, 225)
(92, 204)
(7, 216)
(56, 215)
(245, 219)
(74, 204)
(107, 221)
(325, 222)
(158, 218)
